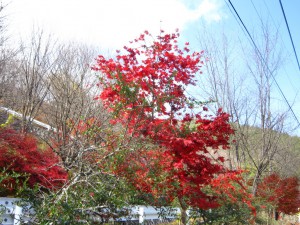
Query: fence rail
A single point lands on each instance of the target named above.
(12, 214)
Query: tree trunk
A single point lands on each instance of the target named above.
(183, 211)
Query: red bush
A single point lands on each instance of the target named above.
(282, 193)
(21, 153)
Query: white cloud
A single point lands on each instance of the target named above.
(107, 23)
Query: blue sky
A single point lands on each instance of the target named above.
(251, 12)
(111, 24)
(288, 77)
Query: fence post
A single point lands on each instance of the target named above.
(18, 214)
(141, 214)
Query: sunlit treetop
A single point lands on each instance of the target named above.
(152, 76)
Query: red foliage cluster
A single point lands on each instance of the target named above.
(82, 127)
(282, 193)
(145, 88)
(229, 187)
(20, 153)
(146, 79)
(146, 169)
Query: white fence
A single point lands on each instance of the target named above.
(144, 213)
(12, 214)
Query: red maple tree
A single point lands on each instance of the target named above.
(146, 90)
(282, 193)
(20, 153)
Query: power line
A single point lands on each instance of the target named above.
(287, 25)
(277, 26)
(264, 61)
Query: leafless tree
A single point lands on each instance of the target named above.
(263, 68)
(245, 91)
(70, 101)
(222, 84)
(30, 68)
